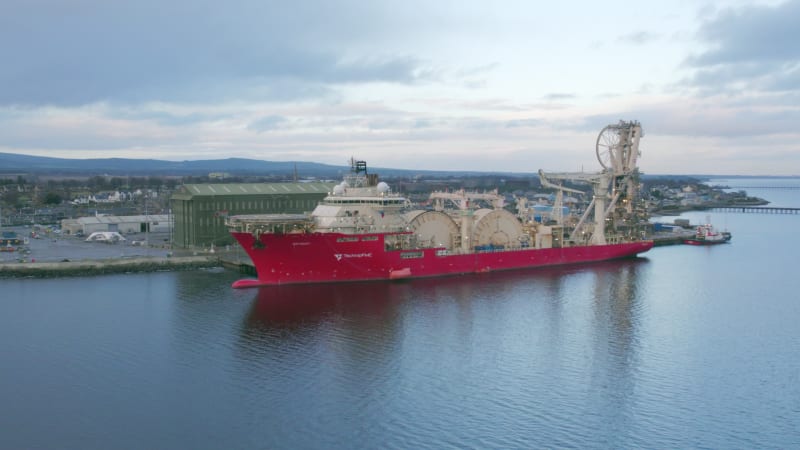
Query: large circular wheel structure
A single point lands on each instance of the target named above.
(608, 146)
(432, 228)
(496, 228)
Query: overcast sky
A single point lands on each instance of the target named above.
(463, 85)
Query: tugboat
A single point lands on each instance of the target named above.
(706, 234)
(364, 231)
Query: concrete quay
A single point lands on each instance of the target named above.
(665, 238)
(105, 266)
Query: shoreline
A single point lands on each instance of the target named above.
(141, 264)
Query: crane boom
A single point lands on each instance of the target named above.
(544, 179)
(617, 151)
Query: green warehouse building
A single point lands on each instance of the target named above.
(199, 210)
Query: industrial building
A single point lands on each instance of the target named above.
(154, 223)
(200, 210)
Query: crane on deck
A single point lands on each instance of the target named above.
(617, 150)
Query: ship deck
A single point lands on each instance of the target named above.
(268, 222)
(269, 219)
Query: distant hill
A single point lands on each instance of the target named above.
(11, 163)
(15, 163)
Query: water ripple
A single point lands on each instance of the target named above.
(630, 354)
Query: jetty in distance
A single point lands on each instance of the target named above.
(754, 209)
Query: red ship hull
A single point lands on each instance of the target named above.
(334, 257)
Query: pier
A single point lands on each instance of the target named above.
(763, 187)
(755, 209)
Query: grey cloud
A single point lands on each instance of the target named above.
(740, 120)
(43, 137)
(268, 123)
(555, 96)
(422, 123)
(396, 69)
(717, 77)
(72, 53)
(754, 33)
(753, 47)
(520, 123)
(638, 37)
(477, 70)
(787, 80)
(166, 118)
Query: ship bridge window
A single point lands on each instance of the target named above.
(411, 255)
(347, 239)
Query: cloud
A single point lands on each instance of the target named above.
(751, 48)
(555, 96)
(326, 79)
(267, 123)
(730, 120)
(638, 37)
(523, 123)
(162, 114)
(475, 77)
(785, 80)
(751, 34)
(86, 51)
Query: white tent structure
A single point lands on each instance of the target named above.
(108, 237)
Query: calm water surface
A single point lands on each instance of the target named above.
(683, 347)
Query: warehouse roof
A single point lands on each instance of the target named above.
(188, 191)
(119, 219)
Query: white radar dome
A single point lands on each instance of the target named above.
(383, 188)
(338, 189)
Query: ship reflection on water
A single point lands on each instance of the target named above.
(302, 305)
(417, 348)
(298, 306)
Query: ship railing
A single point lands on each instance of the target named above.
(356, 180)
(269, 223)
